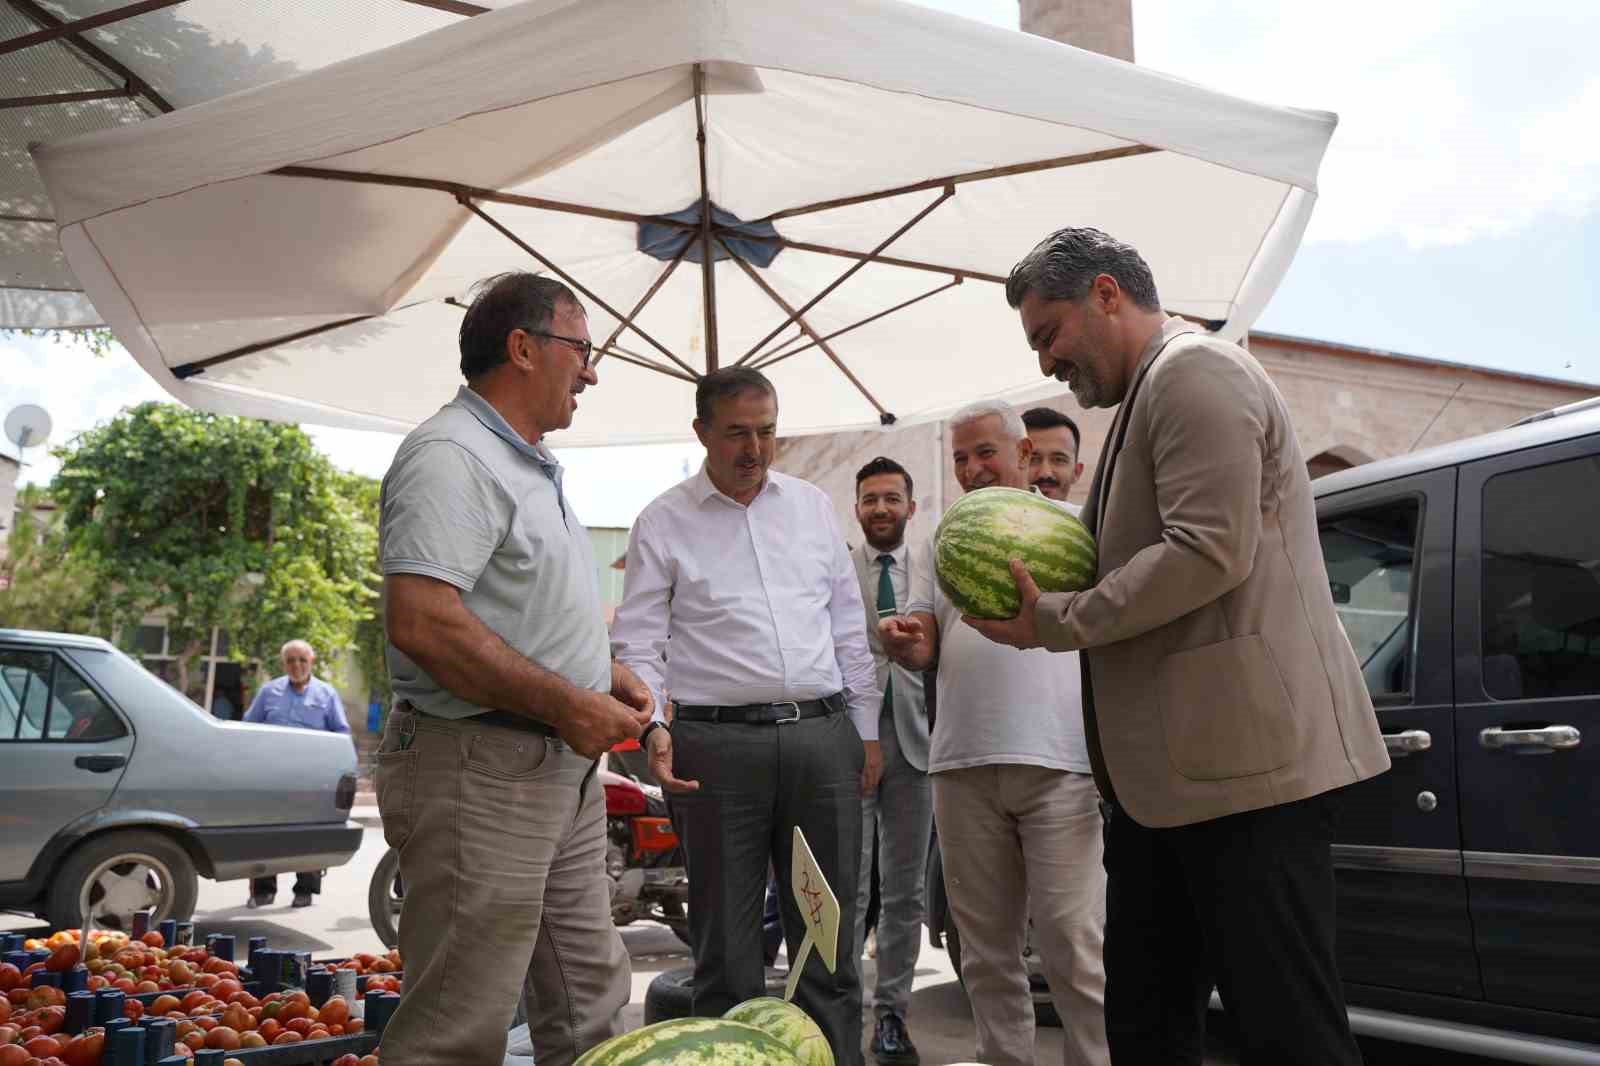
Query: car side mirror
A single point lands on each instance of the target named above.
(1341, 592)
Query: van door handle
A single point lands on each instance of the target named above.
(100, 764)
(1538, 741)
(1407, 741)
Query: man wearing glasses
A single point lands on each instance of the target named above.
(505, 695)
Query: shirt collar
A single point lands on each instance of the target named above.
(1158, 340)
(898, 554)
(701, 489)
(495, 423)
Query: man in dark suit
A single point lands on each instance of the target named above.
(1226, 705)
(900, 813)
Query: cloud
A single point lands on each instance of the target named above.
(1458, 120)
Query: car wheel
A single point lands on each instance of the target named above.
(1044, 1005)
(385, 896)
(110, 878)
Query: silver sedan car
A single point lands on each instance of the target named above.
(117, 793)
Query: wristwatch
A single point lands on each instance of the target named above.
(644, 736)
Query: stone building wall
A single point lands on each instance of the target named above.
(1350, 405)
(9, 470)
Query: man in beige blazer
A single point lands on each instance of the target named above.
(1226, 704)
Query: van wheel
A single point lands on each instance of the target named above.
(110, 878)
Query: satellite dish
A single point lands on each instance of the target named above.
(28, 425)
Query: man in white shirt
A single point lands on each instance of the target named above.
(1016, 806)
(900, 814)
(775, 698)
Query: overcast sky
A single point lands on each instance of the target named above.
(1457, 217)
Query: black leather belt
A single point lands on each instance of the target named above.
(760, 713)
(503, 719)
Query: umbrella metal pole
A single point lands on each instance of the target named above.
(708, 272)
(34, 13)
(649, 294)
(778, 357)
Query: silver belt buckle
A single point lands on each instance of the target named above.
(787, 703)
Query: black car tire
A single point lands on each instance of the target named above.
(163, 856)
(671, 994)
(385, 895)
(1044, 1005)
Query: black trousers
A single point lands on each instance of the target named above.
(757, 782)
(306, 883)
(1245, 902)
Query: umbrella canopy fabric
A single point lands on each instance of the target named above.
(72, 66)
(872, 169)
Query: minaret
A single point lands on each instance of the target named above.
(1104, 26)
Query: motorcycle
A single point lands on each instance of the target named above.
(643, 859)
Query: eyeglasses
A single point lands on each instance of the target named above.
(585, 349)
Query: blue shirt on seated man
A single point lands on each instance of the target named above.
(300, 700)
(297, 698)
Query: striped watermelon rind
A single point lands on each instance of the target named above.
(987, 528)
(692, 1042)
(798, 1031)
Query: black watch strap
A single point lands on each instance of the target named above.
(644, 736)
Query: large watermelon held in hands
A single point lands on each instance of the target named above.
(788, 1023)
(692, 1042)
(985, 529)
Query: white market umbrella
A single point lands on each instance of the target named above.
(300, 251)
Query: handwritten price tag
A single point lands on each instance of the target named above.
(820, 908)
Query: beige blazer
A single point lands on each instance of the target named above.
(1218, 678)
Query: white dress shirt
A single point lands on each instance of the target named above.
(760, 603)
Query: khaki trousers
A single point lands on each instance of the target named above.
(1020, 844)
(502, 844)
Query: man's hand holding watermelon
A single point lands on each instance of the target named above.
(1019, 632)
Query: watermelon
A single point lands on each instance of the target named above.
(789, 1024)
(985, 529)
(692, 1042)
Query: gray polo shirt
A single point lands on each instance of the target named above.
(468, 501)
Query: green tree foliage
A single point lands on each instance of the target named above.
(363, 493)
(45, 585)
(219, 521)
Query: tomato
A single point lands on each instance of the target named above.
(146, 987)
(193, 1000)
(164, 1005)
(41, 1046)
(346, 1060)
(63, 958)
(180, 972)
(13, 1055)
(383, 966)
(288, 1038)
(226, 988)
(125, 985)
(369, 1060)
(248, 1040)
(19, 996)
(50, 1020)
(223, 1037)
(180, 1048)
(154, 939)
(334, 1012)
(5, 1011)
(219, 966)
(236, 1017)
(298, 1025)
(269, 1028)
(206, 981)
(354, 1026)
(133, 1010)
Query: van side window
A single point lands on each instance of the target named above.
(1369, 556)
(1541, 581)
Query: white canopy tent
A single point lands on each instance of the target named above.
(300, 251)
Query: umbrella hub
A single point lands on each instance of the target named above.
(666, 242)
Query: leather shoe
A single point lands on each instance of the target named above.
(302, 899)
(259, 901)
(891, 1044)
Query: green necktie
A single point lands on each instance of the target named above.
(885, 609)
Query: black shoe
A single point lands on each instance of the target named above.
(302, 899)
(891, 1044)
(259, 901)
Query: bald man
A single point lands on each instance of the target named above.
(295, 699)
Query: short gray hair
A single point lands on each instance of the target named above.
(1010, 421)
(297, 643)
(1065, 264)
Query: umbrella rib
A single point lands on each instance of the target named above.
(649, 294)
(961, 179)
(9, 103)
(647, 364)
(199, 366)
(455, 7)
(708, 275)
(458, 191)
(845, 253)
(884, 416)
(794, 316)
(68, 29)
(762, 364)
(44, 18)
(570, 280)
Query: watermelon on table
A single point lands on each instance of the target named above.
(788, 1023)
(987, 528)
(692, 1042)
